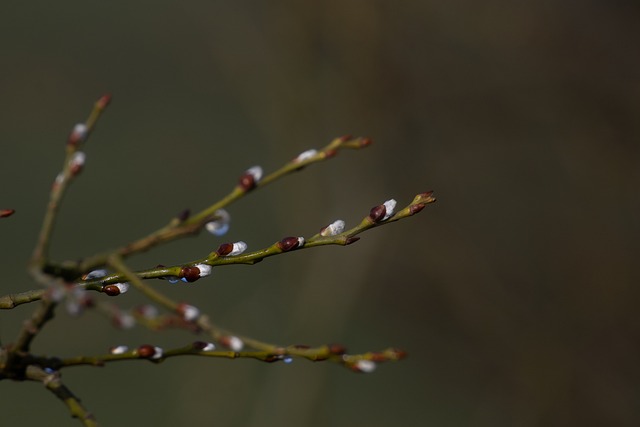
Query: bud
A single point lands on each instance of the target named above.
(332, 229)
(6, 212)
(190, 273)
(104, 100)
(147, 351)
(382, 212)
(233, 342)
(290, 243)
(188, 312)
(365, 366)
(77, 162)
(95, 274)
(231, 249)
(250, 178)
(365, 142)
(204, 346)
(115, 289)
(78, 134)
(119, 349)
(220, 225)
(337, 349)
(305, 155)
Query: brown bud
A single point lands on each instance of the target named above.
(146, 351)
(190, 273)
(337, 349)
(351, 240)
(247, 182)
(6, 212)
(288, 244)
(414, 209)
(184, 215)
(224, 249)
(111, 290)
(377, 213)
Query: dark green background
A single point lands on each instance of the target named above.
(516, 294)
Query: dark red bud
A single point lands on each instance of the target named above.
(146, 351)
(345, 138)
(111, 290)
(190, 273)
(365, 142)
(351, 240)
(6, 212)
(199, 345)
(270, 358)
(247, 182)
(414, 209)
(337, 349)
(330, 153)
(184, 215)
(224, 249)
(288, 244)
(398, 354)
(377, 213)
(75, 169)
(103, 101)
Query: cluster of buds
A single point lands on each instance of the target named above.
(250, 178)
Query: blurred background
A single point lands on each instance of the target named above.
(515, 294)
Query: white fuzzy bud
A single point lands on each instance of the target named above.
(158, 353)
(95, 274)
(238, 248)
(235, 343)
(77, 160)
(119, 349)
(366, 366)
(300, 242)
(123, 287)
(305, 155)
(390, 206)
(336, 227)
(220, 225)
(205, 269)
(209, 347)
(255, 172)
(189, 312)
